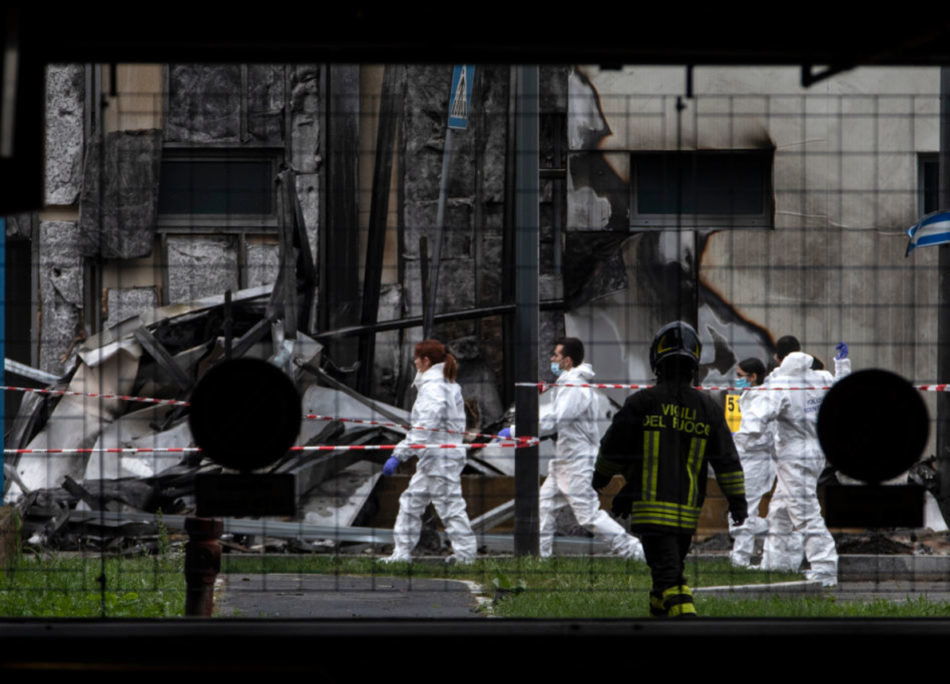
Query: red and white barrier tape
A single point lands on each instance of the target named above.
(110, 450)
(313, 416)
(174, 402)
(515, 443)
(96, 395)
(710, 388)
(600, 385)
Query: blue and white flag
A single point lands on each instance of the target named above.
(932, 229)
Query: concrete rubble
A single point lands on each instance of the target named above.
(117, 425)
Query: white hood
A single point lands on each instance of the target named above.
(796, 363)
(435, 373)
(581, 374)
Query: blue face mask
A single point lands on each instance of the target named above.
(555, 368)
(742, 383)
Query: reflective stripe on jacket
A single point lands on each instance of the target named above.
(662, 441)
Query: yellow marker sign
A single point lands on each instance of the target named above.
(733, 413)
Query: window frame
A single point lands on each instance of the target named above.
(223, 223)
(925, 160)
(693, 221)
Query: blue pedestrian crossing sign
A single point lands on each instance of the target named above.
(460, 99)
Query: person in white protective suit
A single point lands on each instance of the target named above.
(438, 417)
(754, 441)
(574, 417)
(795, 522)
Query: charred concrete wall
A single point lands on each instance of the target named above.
(471, 255)
(844, 177)
(130, 257)
(480, 198)
(58, 300)
(65, 114)
(846, 187)
(273, 108)
(102, 248)
(60, 296)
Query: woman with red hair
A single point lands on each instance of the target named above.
(438, 417)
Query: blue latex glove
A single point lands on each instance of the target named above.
(390, 466)
(505, 433)
(842, 351)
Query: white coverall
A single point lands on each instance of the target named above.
(574, 416)
(795, 521)
(755, 443)
(439, 407)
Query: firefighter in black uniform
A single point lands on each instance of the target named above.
(662, 441)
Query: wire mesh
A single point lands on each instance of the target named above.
(751, 208)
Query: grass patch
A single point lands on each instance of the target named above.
(822, 607)
(586, 587)
(90, 586)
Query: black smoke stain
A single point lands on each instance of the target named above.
(593, 138)
(593, 265)
(723, 309)
(591, 170)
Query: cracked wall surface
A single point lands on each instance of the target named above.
(200, 267)
(60, 297)
(119, 203)
(65, 111)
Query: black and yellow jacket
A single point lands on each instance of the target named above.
(662, 442)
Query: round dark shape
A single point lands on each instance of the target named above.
(873, 425)
(678, 338)
(245, 414)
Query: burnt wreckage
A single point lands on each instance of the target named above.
(118, 459)
(114, 430)
(115, 433)
(92, 449)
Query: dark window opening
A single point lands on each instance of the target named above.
(216, 187)
(715, 188)
(928, 178)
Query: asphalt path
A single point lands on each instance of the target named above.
(280, 596)
(343, 596)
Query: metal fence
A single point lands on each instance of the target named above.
(291, 213)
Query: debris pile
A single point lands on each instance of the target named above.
(113, 434)
(94, 456)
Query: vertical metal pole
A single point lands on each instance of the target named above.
(508, 241)
(339, 250)
(439, 229)
(3, 338)
(424, 279)
(557, 198)
(202, 564)
(526, 326)
(943, 312)
(687, 301)
(390, 105)
(228, 325)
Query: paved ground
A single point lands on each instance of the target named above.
(341, 627)
(336, 597)
(863, 577)
(893, 590)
